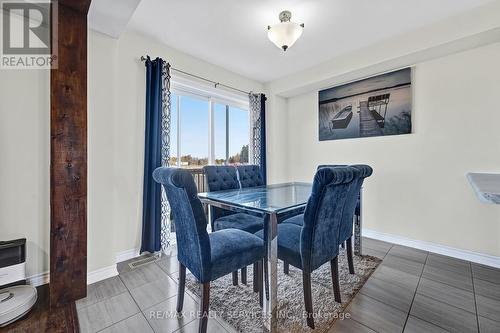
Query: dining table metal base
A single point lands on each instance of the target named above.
(358, 223)
(270, 276)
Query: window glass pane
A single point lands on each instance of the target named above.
(173, 130)
(238, 135)
(220, 133)
(193, 132)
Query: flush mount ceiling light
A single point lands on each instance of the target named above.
(285, 33)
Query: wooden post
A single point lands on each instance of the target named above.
(68, 156)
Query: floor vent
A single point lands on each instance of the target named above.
(143, 261)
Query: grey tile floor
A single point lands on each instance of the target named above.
(411, 291)
(417, 291)
(142, 300)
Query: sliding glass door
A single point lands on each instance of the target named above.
(231, 134)
(238, 135)
(193, 134)
(206, 130)
(221, 151)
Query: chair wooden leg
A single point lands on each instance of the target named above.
(260, 282)
(334, 265)
(350, 260)
(286, 267)
(255, 278)
(306, 281)
(235, 278)
(205, 302)
(244, 275)
(182, 287)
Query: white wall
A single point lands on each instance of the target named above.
(24, 162)
(418, 189)
(116, 104)
(276, 140)
(102, 85)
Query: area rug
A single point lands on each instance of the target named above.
(239, 305)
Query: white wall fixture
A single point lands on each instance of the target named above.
(285, 33)
(486, 186)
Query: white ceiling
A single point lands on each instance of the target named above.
(232, 33)
(110, 16)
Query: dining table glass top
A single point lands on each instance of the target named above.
(277, 198)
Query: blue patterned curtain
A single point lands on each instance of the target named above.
(155, 215)
(165, 153)
(257, 104)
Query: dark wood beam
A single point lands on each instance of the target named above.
(81, 6)
(68, 157)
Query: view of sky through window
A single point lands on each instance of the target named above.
(194, 132)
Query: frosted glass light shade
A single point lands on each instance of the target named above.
(284, 34)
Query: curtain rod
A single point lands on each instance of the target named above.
(216, 84)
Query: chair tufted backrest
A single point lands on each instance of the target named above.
(324, 213)
(219, 178)
(193, 243)
(330, 166)
(364, 172)
(249, 176)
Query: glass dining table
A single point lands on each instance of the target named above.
(275, 203)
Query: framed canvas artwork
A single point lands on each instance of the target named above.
(375, 106)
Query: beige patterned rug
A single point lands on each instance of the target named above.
(239, 305)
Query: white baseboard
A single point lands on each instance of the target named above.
(93, 276)
(126, 255)
(38, 279)
(476, 257)
(102, 274)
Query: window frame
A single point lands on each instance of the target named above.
(183, 86)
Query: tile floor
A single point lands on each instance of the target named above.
(142, 300)
(411, 291)
(417, 291)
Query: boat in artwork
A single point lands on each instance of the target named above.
(342, 119)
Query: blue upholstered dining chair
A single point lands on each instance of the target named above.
(225, 177)
(249, 176)
(207, 256)
(316, 241)
(346, 228)
(367, 169)
(219, 178)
